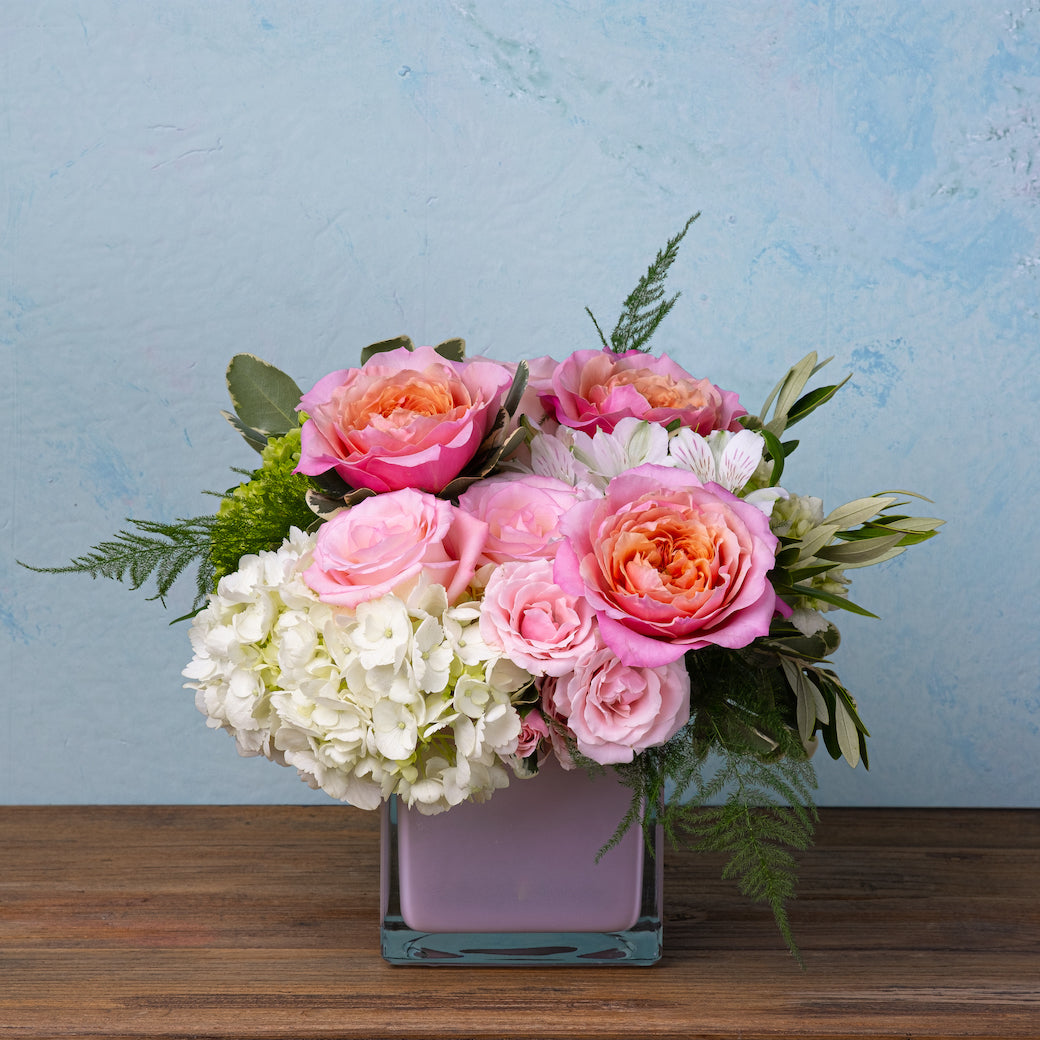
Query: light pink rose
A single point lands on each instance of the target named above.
(538, 626)
(522, 512)
(616, 710)
(386, 542)
(533, 731)
(669, 565)
(594, 389)
(404, 419)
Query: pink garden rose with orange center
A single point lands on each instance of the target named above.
(594, 389)
(388, 543)
(406, 418)
(669, 565)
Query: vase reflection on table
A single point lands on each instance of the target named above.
(519, 880)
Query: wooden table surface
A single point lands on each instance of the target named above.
(246, 922)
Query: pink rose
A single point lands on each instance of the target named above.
(669, 565)
(405, 419)
(522, 512)
(615, 710)
(386, 542)
(537, 625)
(533, 731)
(594, 389)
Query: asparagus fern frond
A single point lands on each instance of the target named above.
(645, 306)
(153, 550)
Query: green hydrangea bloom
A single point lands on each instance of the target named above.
(258, 514)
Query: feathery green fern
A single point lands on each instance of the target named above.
(645, 307)
(155, 550)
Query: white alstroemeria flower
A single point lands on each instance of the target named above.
(551, 457)
(724, 458)
(633, 442)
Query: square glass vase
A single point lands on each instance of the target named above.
(516, 880)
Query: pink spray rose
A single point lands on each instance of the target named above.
(522, 512)
(615, 710)
(384, 543)
(533, 731)
(669, 565)
(594, 389)
(404, 419)
(534, 622)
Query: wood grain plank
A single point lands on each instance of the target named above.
(261, 922)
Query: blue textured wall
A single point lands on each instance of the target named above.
(181, 181)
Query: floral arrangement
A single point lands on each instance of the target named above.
(446, 569)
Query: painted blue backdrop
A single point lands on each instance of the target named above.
(180, 181)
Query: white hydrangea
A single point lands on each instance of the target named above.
(396, 698)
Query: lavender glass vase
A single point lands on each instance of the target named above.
(515, 880)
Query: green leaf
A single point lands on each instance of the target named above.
(452, 349)
(811, 703)
(385, 345)
(264, 397)
(516, 391)
(912, 524)
(794, 382)
(812, 400)
(861, 554)
(785, 639)
(858, 511)
(256, 439)
(848, 734)
(816, 539)
(776, 453)
(826, 597)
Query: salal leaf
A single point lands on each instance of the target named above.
(264, 397)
